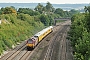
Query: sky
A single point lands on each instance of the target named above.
(45, 1)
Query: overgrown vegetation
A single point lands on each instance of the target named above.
(17, 29)
(80, 35)
(20, 25)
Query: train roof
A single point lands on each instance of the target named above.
(43, 31)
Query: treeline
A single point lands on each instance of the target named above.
(19, 25)
(80, 35)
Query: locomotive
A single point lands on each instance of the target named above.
(33, 41)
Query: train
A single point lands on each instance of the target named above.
(33, 41)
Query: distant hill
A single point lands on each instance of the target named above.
(33, 5)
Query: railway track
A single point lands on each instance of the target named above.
(26, 56)
(13, 52)
(16, 55)
(42, 49)
(57, 47)
(21, 53)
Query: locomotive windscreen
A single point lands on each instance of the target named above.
(30, 41)
(36, 36)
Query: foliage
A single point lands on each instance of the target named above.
(49, 7)
(20, 25)
(73, 11)
(80, 36)
(8, 10)
(47, 19)
(28, 11)
(44, 19)
(59, 11)
(66, 13)
(39, 8)
(0, 12)
(17, 29)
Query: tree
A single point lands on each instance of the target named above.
(87, 9)
(87, 12)
(28, 11)
(73, 11)
(49, 7)
(59, 11)
(45, 20)
(8, 10)
(0, 12)
(39, 8)
(80, 36)
(12, 7)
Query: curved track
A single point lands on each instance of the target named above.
(48, 46)
(53, 47)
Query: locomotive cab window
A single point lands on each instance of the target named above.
(30, 41)
(36, 36)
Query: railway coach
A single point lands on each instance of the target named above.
(33, 41)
